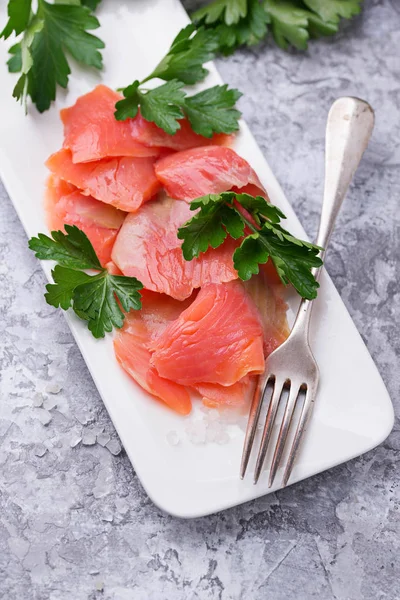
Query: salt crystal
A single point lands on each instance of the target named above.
(88, 438)
(75, 442)
(196, 432)
(172, 438)
(213, 415)
(99, 586)
(52, 388)
(43, 415)
(222, 437)
(49, 403)
(103, 439)
(114, 447)
(107, 516)
(40, 450)
(38, 400)
(121, 505)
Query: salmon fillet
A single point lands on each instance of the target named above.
(65, 204)
(149, 134)
(208, 170)
(91, 131)
(217, 339)
(132, 344)
(122, 182)
(147, 247)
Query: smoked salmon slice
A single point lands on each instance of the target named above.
(65, 204)
(218, 396)
(132, 344)
(208, 170)
(217, 339)
(92, 132)
(147, 247)
(149, 134)
(267, 295)
(122, 182)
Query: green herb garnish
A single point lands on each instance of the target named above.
(220, 215)
(291, 22)
(48, 34)
(210, 111)
(94, 298)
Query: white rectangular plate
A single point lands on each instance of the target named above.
(353, 412)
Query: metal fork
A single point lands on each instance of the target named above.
(292, 365)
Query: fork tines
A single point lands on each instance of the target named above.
(297, 391)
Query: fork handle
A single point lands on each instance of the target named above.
(348, 130)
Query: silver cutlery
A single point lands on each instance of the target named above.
(291, 370)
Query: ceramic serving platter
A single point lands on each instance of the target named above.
(184, 472)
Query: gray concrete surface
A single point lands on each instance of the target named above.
(75, 523)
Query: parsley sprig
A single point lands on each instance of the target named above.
(93, 298)
(210, 111)
(258, 221)
(48, 33)
(291, 22)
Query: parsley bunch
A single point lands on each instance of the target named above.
(93, 298)
(210, 111)
(291, 22)
(48, 34)
(258, 221)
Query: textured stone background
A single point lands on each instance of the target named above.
(75, 523)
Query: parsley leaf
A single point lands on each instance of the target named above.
(19, 12)
(14, 63)
(71, 249)
(330, 11)
(292, 22)
(220, 215)
(235, 22)
(129, 106)
(97, 300)
(211, 225)
(184, 61)
(92, 4)
(212, 111)
(40, 56)
(230, 10)
(60, 294)
(162, 105)
(94, 298)
(289, 24)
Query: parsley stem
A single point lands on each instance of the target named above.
(248, 223)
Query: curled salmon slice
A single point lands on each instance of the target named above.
(91, 131)
(122, 182)
(132, 344)
(149, 134)
(65, 204)
(217, 339)
(147, 247)
(208, 170)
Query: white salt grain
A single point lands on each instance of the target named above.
(114, 447)
(103, 439)
(52, 388)
(38, 400)
(43, 415)
(172, 438)
(88, 438)
(49, 403)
